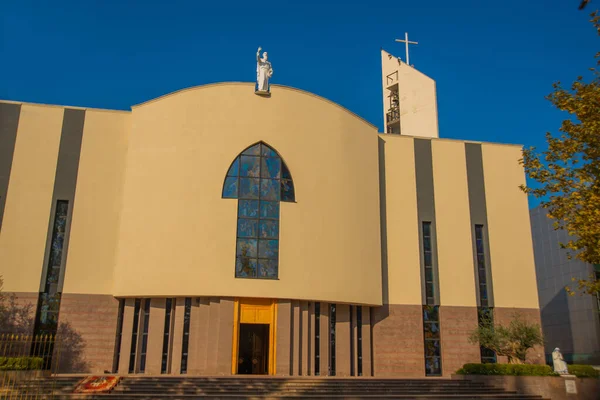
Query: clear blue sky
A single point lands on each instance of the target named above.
(494, 61)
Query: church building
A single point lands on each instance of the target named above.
(294, 239)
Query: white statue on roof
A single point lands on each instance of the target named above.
(264, 71)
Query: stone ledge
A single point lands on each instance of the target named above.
(549, 387)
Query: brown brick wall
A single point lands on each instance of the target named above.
(505, 315)
(456, 324)
(88, 324)
(398, 338)
(398, 341)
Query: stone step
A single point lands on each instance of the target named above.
(258, 385)
(313, 389)
(319, 382)
(350, 381)
(183, 387)
(328, 396)
(287, 385)
(127, 382)
(281, 392)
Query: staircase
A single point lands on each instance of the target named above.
(178, 387)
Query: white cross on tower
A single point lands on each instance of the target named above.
(407, 43)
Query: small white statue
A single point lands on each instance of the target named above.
(560, 366)
(264, 71)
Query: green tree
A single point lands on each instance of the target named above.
(567, 173)
(14, 318)
(511, 341)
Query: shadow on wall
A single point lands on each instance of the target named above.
(18, 318)
(556, 325)
(71, 347)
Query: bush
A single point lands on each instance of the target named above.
(506, 369)
(583, 371)
(20, 363)
(512, 340)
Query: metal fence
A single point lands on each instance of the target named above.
(26, 363)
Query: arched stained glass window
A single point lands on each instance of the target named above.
(259, 179)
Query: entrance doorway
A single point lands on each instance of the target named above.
(254, 337)
(254, 349)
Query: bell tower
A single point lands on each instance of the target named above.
(409, 99)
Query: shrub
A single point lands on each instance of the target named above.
(506, 369)
(512, 340)
(583, 371)
(20, 363)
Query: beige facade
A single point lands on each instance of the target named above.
(29, 199)
(148, 226)
(176, 145)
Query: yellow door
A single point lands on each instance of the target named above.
(256, 312)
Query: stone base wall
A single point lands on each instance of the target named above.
(209, 338)
(548, 387)
(88, 327)
(398, 347)
(503, 316)
(456, 324)
(392, 336)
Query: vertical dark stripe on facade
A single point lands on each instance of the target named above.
(428, 251)
(166, 349)
(317, 338)
(352, 347)
(119, 336)
(134, 336)
(65, 179)
(359, 347)
(478, 212)
(57, 241)
(426, 207)
(185, 341)
(9, 122)
(332, 321)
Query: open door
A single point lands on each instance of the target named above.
(253, 352)
(254, 337)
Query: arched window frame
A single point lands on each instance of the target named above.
(259, 178)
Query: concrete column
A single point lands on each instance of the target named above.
(200, 322)
(177, 335)
(366, 341)
(156, 331)
(193, 356)
(213, 336)
(305, 337)
(296, 342)
(283, 342)
(140, 332)
(224, 349)
(324, 342)
(126, 336)
(342, 340)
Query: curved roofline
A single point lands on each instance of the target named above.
(252, 84)
(64, 106)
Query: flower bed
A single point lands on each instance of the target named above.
(580, 371)
(20, 363)
(506, 369)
